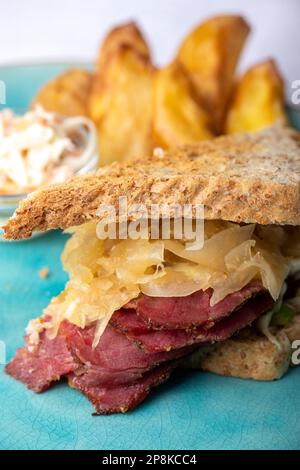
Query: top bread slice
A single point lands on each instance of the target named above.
(250, 178)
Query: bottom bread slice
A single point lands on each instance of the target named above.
(249, 354)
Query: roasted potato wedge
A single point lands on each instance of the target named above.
(258, 100)
(178, 116)
(210, 54)
(67, 94)
(127, 34)
(121, 106)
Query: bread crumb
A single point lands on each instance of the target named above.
(44, 273)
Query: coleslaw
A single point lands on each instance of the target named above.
(42, 148)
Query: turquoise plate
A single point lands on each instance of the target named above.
(192, 411)
(23, 81)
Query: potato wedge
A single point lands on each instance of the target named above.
(210, 54)
(67, 94)
(178, 116)
(127, 34)
(258, 100)
(121, 106)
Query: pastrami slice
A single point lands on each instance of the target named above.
(122, 398)
(114, 353)
(192, 310)
(117, 375)
(114, 362)
(46, 363)
(166, 340)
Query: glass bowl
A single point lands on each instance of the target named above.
(10, 202)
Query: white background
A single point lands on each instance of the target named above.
(42, 30)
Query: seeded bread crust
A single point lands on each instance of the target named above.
(248, 355)
(251, 178)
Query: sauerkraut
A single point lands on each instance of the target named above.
(107, 274)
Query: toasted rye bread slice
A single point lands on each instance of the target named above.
(248, 355)
(251, 178)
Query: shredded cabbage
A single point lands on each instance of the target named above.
(106, 274)
(264, 322)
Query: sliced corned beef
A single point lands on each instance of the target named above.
(114, 352)
(115, 360)
(114, 363)
(47, 363)
(118, 374)
(137, 330)
(122, 398)
(192, 310)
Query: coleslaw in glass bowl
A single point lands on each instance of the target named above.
(41, 148)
